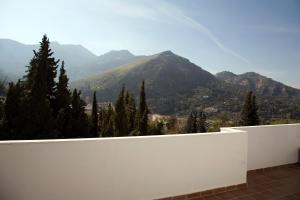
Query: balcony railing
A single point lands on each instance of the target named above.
(146, 167)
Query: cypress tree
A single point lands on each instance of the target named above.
(121, 121)
(62, 102)
(202, 124)
(62, 93)
(94, 117)
(107, 125)
(254, 119)
(78, 123)
(249, 115)
(131, 111)
(191, 124)
(38, 101)
(143, 112)
(12, 110)
(196, 123)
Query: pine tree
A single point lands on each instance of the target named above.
(143, 112)
(31, 73)
(121, 120)
(94, 118)
(40, 89)
(43, 59)
(249, 115)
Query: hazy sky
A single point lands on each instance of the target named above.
(234, 35)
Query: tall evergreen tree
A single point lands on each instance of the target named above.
(131, 111)
(62, 93)
(30, 73)
(12, 110)
(108, 122)
(249, 116)
(196, 122)
(143, 112)
(43, 59)
(78, 123)
(121, 121)
(62, 109)
(94, 118)
(191, 124)
(40, 84)
(255, 119)
(201, 122)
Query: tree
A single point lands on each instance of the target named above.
(249, 116)
(196, 123)
(94, 118)
(43, 59)
(78, 123)
(39, 85)
(191, 124)
(121, 120)
(130, 111)
(143, 112)
(107, 122)
(12, 110)
(255, 118)
(201, 122)
(62, 93)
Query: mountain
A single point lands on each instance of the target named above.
(174, 85)
(171, 81)
(108, 61)
(261, 85)
(79, 61)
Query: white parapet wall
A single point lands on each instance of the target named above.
(133, 168)
(272, 145)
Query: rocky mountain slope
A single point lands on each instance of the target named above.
(174, 85)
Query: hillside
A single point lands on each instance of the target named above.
(263, 86)
(174, 85)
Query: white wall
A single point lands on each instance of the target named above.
(272, 145)
(121, 168)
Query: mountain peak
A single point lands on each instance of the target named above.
(122, 52)
(167, 53)
(224, 75)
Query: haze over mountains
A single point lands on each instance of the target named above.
(80, 62)
(174, 85)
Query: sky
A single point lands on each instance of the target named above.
(232, 35)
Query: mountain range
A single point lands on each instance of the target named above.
(80, 62)
(174, 85)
